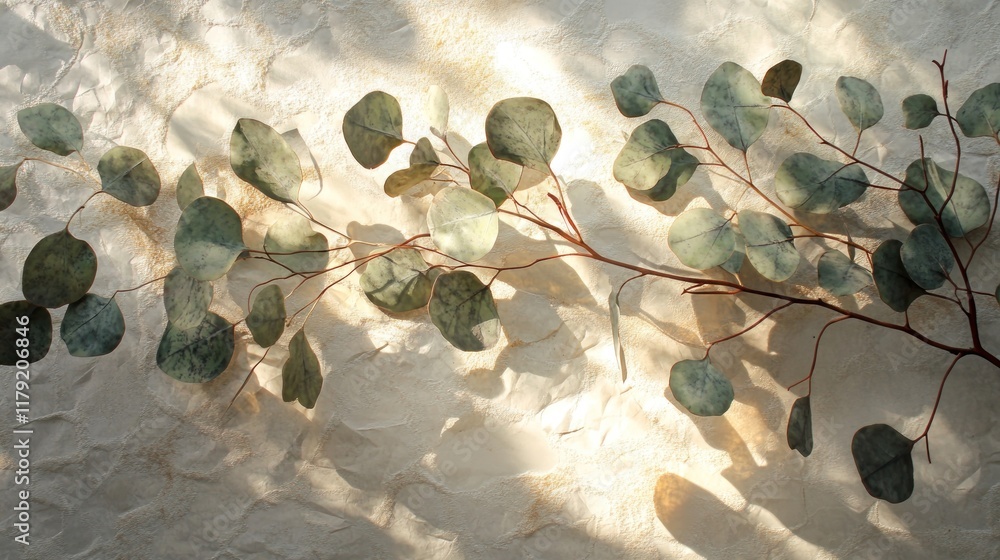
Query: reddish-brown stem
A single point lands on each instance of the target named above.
(812, 367)
(747, 329)
(937, 401)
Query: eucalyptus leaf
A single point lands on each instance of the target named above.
(840, 275)
(128, 175)
(8, 184)
(810, 184)
(882, 456)
(23, 319)
(266, 320)
(493, 177)
(398, 281)
(927, 257)
(424, 152)
(968, 208)
(616, 341)
(59, 270)
(980, 114)
(799, 434)
(405, 179)
(196, 355)
(189, 187)
(436, 108)
(373, 128)
(735, 261)
(770, 246)
(292, 242)
(635, 91)
(300, 376)
(701, 238)
(52, 128)
(734, 106)
(262, 157)
(652, 164)
(781, 80)
(525, 131)
(209, 238)
(894, 285)
(860, 102)
(186, 299)
(93, 326)
(463, 223)
(701, 388)
(919, 111)
(462, 308)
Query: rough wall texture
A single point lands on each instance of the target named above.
(549, 455)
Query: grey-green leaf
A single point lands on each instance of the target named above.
(189, 187)
(810, 184)
(196, 355)
(770, 245)
(616, 340)
(919, 111)
(186, 299)
(23, 319)
(52, 128)
(968, 208)
(59, 270)
(463, 223)
(209, 238)
(493, 177)
(128, 175)
(651, 164)
(8, 184)
(840, 275)
(799, 433)
(883, 458)
(635, 91)
(92, 326)
(980, 114)
(262, 157)
(860, 102)
(424, 152)
(462, 308)
(781, 80)
(894, 285)
(436, 108)
(398, 281)
(373, 128)
(525, 131)
(735, 261)
(405, 179)
(300, 376)
(266, 320)
(927, 257)
(701, 238)
(701, 388)
(292, 242)
(734, 106)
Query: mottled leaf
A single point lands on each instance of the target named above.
(651, 164)
(38, 331)
(51, 127)
(462, 308)
(92, 326)
(810, 184)
(463, 223)
(196, 355)
(860, 102)
(493, 177)
(927, 257)
(261, 157)
(799, 434)
(701, 238)
(883, 458)
(635, 91)
(373, 128)
(840, 275)
(186, 299)
(424, 152)
(701, 388)
(300, 376)
(770, 245)
(918, 111)
(189, 187)
(894, 285)
(8, 184)
(266, 320)
(59, 270)
(980, 114)
(398, 281)
(209, 238)
(128, 175)
(523, 130)
(405, 179)
(781, 80)
(968, 208)
(734, 106)
(436, 108)
(292, 242)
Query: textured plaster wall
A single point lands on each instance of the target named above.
(533, 450)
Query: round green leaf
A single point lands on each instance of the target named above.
(860, 101)
(209, 238)
(980, 114)
(463, 223)
(266, 320)
(523, 130)
(493, 177)
(781, 80)
(38, 331)
(300, 376)
(8, 184)
(462, 308)
(882, 456)
(59, 270)
(808, 183)
(262, 157)
(52, 128)
(92, 326)
(770, 246)
(128, 175)
(424, 152)
(436, 109)
(919, 110)
(927, 257)
(373, 127)
(189, 187)
(799, 433)
(968, 208)
(196, 355)
(840, 275)
(734, 106)
(293, 234)
(652, 164)
(635, 91)
(701, 238)
(397, 281)
(186, 299)
(894, 285)
(701, 388)
(405, 179)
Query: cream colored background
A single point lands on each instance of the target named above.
(536, 449)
